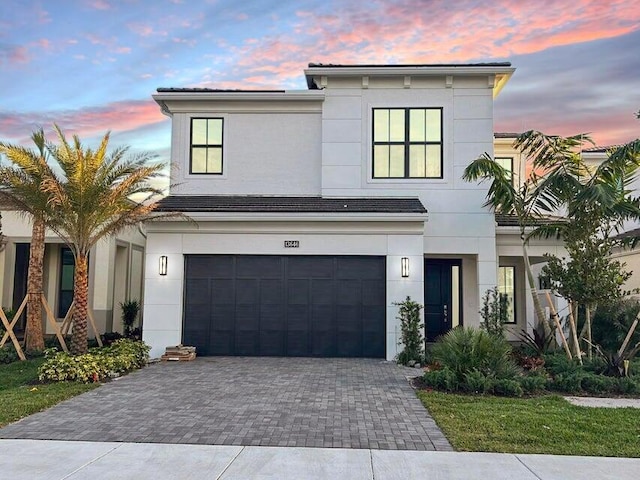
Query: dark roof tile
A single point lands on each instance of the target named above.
(233, 203)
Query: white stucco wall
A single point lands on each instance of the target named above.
(458, 224)
(164, 294)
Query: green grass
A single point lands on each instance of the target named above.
(19, 398)
(547, 424)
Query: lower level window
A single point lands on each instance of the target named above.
(65, 286)
(507, 287)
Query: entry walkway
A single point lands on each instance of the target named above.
(56, 460)
(248, 401)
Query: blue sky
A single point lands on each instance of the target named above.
(92, 65)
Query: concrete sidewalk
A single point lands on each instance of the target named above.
(57, 460)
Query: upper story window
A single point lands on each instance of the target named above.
(206, 146)
(407, 143)
(507, 164)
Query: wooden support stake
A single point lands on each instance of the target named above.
(68, 319)
(5, 337)
(93, 324)
(54, 324)
(574, 331)
(627, 339)
(9, 328)
(557, 322)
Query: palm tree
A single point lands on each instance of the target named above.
(21, 183)
(530, 201)
(598, 202)
(89, 201)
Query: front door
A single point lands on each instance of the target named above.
(442, 294)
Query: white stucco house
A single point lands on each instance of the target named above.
(311, 213)
(115, 272)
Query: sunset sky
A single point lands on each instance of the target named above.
(92, 65)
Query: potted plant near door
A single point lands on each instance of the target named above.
(130, 310)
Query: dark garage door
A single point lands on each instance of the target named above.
(285, 305)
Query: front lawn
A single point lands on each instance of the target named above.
(20, 396)
(547, 424)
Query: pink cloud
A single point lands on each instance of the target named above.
(86, 122)
(408, 31)
(611, 127)
(13, 55)
(144, 30)
(100, 4)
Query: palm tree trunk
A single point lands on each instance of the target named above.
(537, 306)
(81, 299)
(34, 336)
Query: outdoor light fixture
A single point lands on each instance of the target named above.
(404, 267)
(163, 265)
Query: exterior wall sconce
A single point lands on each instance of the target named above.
(162, 270)
(404, 267)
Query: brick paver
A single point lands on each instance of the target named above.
(301, 402)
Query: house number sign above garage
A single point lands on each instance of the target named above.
(291, 243)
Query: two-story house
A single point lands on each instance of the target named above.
(311, 213)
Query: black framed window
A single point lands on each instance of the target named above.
(407, 142)
(507, 286)
(507, 164)
(206, 146)
(65, 285)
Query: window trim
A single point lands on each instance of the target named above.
(191, 145)
(515, 292)
(407, 143)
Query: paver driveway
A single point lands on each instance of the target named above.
(302, 402)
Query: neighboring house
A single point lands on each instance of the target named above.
(311, 213)
(115, 272)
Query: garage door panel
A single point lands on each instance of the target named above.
(322, 292)
(197, 291)
(310, 267)
(207, 266)
(221, 343)
(349, 292)
(359, 268)
(222, 291)
(374, 292)
(252, 266)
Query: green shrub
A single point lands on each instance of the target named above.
(567, 382)
(533, 383)
(122, 356)
(611, 324)
(628, 385)
(8, 354)
(558, 363)
(410, 332)
(507, 387)
(598, 384)
(443, 379)
(477, 382)
(464, 350)
(494, 312)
